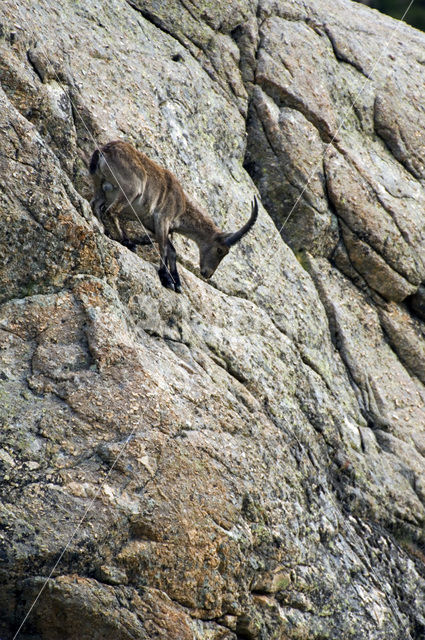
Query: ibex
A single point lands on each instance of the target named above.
(129, 186)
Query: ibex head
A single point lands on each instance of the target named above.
(213, 252)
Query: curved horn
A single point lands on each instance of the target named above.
(233, 238)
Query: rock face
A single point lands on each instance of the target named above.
(244, 460)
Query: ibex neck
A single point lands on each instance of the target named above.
(196, 225)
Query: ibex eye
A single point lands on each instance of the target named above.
(220, 251)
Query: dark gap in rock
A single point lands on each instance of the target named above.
(416, 303)
(34, 66)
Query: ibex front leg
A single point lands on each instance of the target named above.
(161, 233)
(171, 253)
(112, 222)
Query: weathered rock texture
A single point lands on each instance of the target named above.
(244, 460)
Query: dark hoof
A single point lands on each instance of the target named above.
(130, 245)
(166, 280)
(176, 281)
(145, 240)
(167, 284)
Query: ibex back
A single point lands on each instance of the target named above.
(129, 186)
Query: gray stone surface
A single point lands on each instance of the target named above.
(244, 460)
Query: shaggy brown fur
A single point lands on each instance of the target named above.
(130, 186)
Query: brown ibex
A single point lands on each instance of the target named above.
(129, 186)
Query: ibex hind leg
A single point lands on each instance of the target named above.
(98, 205)
(143, 240)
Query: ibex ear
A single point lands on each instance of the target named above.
(226, 238)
